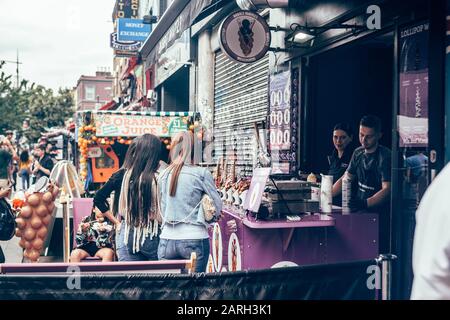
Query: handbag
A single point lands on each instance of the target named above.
(209, 209)
(7, 221)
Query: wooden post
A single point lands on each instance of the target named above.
(190, 266)
(66, 226)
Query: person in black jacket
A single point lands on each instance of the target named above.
(43, 166)
(135, 207)
(4, 193)
(114, 184)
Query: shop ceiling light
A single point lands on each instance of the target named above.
(254, 5)
(302, 36)
(296, 34)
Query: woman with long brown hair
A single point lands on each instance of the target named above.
(182, 186)
(137, 235)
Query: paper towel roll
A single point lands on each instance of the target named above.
(346, 192)
(326, 194)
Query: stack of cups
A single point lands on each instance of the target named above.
(326, 196)
(346, 193)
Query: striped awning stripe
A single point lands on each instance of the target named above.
(143, 113)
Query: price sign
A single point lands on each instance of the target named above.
(254, 194)
(94, 152)
(282, 126)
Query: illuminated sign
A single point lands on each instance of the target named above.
(127, 9)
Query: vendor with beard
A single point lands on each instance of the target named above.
(370, 170)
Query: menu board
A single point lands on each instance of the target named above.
(124, 125)
(283, 121)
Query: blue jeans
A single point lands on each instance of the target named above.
(25, 178)
(182, 249)
(147, 251)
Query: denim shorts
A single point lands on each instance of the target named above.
(147, 251)
(182, 249)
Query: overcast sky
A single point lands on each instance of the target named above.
(58, 40)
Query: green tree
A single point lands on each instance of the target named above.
(37, 103)
(12, 103)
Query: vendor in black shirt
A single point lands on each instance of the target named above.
(44, 165)
(370, 168)
(342, 153)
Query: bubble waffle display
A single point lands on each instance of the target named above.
(33, 221)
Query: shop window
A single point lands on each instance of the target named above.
(104, 161)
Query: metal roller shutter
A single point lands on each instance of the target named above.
(240, 99)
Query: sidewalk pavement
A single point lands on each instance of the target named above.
(12, 250)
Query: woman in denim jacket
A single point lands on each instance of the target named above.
(182, 186)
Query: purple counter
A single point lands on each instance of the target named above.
(241, 243)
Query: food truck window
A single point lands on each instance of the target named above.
(346, 83)
(104, 161)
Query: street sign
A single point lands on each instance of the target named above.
(245, 36)
(94, 152)
(124, 45)
(132, 30)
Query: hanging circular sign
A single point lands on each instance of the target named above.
(245, 36)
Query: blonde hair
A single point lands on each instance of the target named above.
(181, 153)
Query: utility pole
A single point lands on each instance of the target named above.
(17, 67)
(17, 62)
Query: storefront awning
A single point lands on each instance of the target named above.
(145, 113)
(212, 8)
(132, 62)
(177, 18)
(71, 126)
(108, 106)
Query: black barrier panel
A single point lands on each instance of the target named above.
(348, 281)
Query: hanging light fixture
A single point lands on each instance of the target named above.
(254, 5)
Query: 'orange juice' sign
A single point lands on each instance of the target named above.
(116, 125)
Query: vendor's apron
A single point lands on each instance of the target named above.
(369, 183)
(369, 176)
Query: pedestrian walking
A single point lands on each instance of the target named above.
(25, 169)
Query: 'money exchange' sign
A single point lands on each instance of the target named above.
(132, 30)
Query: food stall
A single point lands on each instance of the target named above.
(239, 242)
(104, 137)
(275, 214)
(277, 223)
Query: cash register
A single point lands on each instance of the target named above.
(289, 198)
